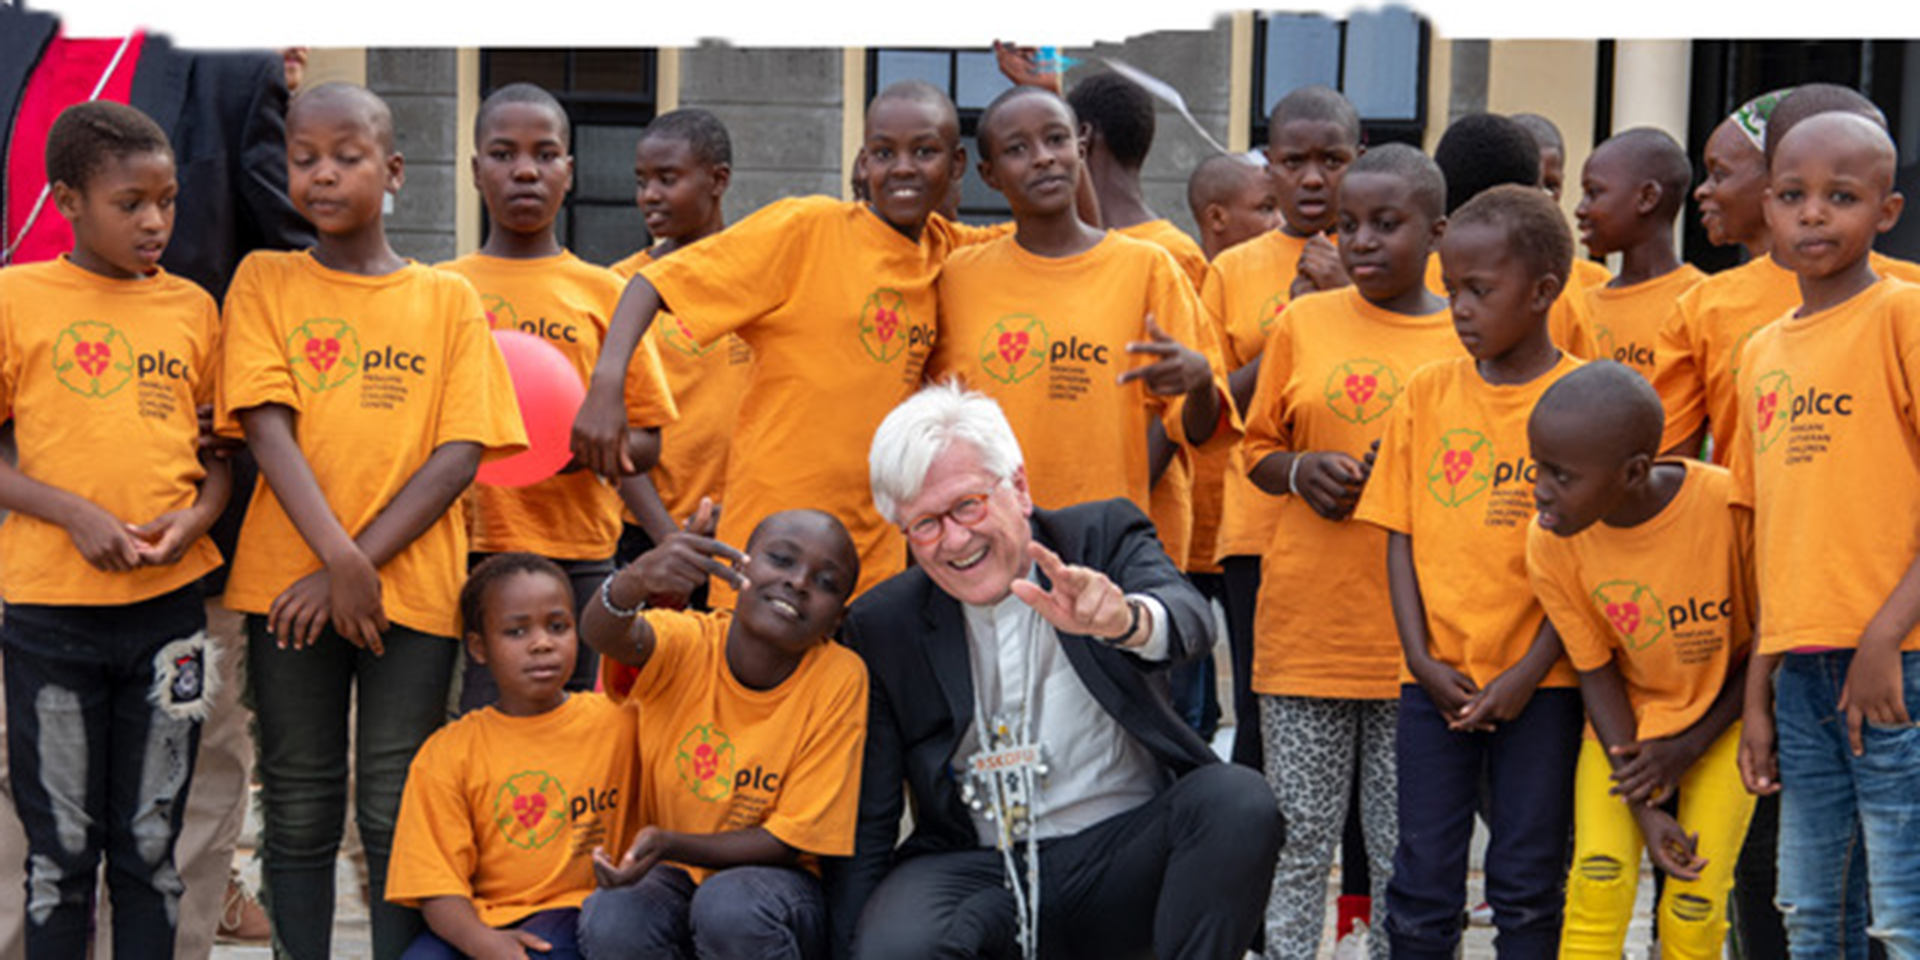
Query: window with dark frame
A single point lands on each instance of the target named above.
(610, 96)
(972, 78)
(1377, 58)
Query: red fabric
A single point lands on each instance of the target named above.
(65, 75)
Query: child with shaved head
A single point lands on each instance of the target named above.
(1659, 637)
(1828, 456)
(1631, 189)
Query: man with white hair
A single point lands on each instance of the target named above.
(1018, 694)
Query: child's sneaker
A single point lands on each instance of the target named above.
(242, 919)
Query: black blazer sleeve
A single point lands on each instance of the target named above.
(850, 881)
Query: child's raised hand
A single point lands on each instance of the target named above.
(600, 434)
(1330, 482)
(1320, 266)
(648, 848)
(1670, 847)
(683, 562)
(1875, 692)
(354, 602)
(1177, 368)
(1081, 600)
(101, 538)
(300, 612)
(1022, 66)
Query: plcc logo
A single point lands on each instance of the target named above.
(1459, 471)
(1630, 353)
(530, 809)
(323, 354)
(1015, 348)
(1633, 610)
(1271, 310)
(674, 333)
(885, 329)
(1769, 418)
(92, 359)
(501, 315)
(1359, 391)
(705, 762)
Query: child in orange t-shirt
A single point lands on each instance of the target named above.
(1326, 662)
(1660, 638)
(104, 358)
(1313, 134)
(1487, 701)
(369, 390)
(750, 751)
(529, 283)
(1828, 455)
(505, 806)
(1631, 189)
(1046, 320)
(683, 164)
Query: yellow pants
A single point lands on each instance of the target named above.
(1605, 876)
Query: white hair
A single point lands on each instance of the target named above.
(922, 427)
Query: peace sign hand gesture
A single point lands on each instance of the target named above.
(1082, 601)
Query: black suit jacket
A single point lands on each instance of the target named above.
(225, 114)
(920, 694)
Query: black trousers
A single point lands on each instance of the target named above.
(1183, 876)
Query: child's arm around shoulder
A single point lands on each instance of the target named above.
(681, 563)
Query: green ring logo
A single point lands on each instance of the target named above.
(1603, 342)
(1271, 310)
(323, 354)
(530, 809)
(674, 333)
(1769, 418)
(500, 314)
(1015, 348)
(1636, 614)
(93, 359)
(1360, 390)
(705, 763)
(882, 321)
(1739, 346)
(1461, 468)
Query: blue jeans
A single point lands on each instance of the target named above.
(556, 927)
(301, 700)
(1527, 764)
(103, 721)
(740, 913)
(1835, 806)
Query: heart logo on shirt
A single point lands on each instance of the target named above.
(1769, 420)
(323, 353)
(1271, 310)
(1360, 389)
(1457, 462)
(1013, 346)
(93, 356)
(1633, 610)
(1458, 471)
(705, 759)
(1625, 616)
(1768, 406)
(881, 320)
(528, 810)
(885, 322)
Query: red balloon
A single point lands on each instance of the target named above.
(549, 390)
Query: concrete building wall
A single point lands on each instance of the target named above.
(422, 87)
(783, 110)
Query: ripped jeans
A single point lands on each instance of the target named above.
(103, 721)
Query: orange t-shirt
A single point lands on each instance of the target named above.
(716, 755)
(565, 301)
(378, 372)
(707, 382)
(1334, 368)
(1047, 337)
(107, 374)
(1827, 453)
(1670, 600)
(1175, 500)
(1624, 323)
(1698, 356)
(506, 811)
(1246, 289)
(839, 309)
(1453, 474)
(1186, 253)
